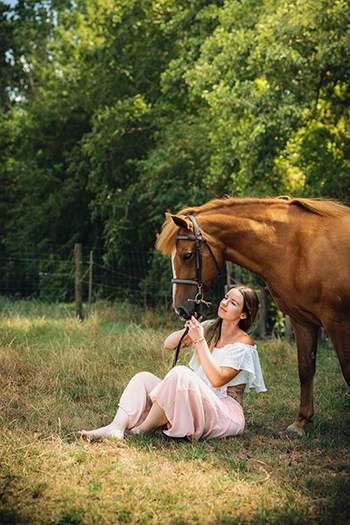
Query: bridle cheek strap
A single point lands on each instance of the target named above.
(198, 237)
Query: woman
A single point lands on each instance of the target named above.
(205, 400)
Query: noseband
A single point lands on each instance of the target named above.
(198, 237)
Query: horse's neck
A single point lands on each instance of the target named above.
(253, 242)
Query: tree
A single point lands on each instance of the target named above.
(113, 112)
(275, 78)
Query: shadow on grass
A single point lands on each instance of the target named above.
(11, 517)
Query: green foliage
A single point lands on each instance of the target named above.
(113, 112)
(273, 75)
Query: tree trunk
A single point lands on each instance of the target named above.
(78, 258)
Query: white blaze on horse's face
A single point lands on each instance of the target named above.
(174, 277)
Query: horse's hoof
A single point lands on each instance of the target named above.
(292, 432)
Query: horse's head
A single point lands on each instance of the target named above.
(195, 262)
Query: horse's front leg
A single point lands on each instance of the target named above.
(306, 339)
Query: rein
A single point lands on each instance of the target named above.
(198, 237)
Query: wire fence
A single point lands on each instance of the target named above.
(48, 273)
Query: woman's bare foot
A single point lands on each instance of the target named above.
(109, 431)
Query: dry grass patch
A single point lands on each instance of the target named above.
(105, 482)
(58, 375)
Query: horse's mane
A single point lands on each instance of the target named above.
(330, 208)
(325, 208)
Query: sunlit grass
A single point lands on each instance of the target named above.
(58, 375)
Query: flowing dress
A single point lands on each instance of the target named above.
(193, 408)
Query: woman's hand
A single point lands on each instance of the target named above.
(195, 329)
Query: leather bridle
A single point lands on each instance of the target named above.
(198, 238)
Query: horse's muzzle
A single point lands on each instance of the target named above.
(186, 313)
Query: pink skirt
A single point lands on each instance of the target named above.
(191, 407)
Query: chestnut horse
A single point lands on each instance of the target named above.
(299, 247)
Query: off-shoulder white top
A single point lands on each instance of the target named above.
(240, 356)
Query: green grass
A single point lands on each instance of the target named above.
(59, 375)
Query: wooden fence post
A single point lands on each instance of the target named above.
(91, 262)
(78, 260)
(229, 278)
(263, 311)
(289, 329)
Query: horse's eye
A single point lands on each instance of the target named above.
(187, 256)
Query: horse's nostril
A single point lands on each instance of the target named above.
(184, 314)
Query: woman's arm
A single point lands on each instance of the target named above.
(217, 375)
(173, 339)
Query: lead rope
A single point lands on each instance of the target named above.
(177, 351)
(198, 299)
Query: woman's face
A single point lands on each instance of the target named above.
(231, 306)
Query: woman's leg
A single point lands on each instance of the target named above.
(134, 407)
(193, 409)
(155, 419)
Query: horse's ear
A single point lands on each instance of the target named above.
(182, 222)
